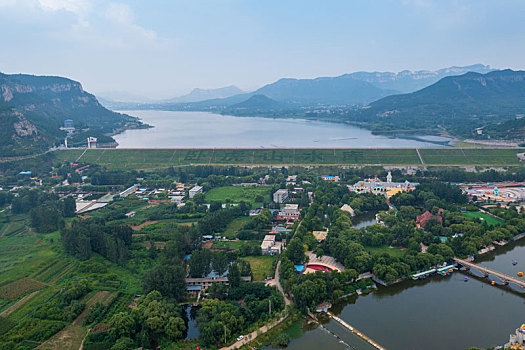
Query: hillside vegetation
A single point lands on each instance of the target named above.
(457, 104)
(32, 109)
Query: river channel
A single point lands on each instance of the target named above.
(436, 313)
(208, 130)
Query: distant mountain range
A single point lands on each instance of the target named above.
(206, 94)
(408, 81)
(457, 104)
(33, 108)
(352, 89)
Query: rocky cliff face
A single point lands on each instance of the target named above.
(33, 108)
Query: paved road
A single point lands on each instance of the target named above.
(278, 284)
(248, 338)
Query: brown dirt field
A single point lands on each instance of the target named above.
(188, 223)
(158, 245)
(133, 304)
(99, 327)
(110, 298)
(138, 235)
(207, 245)
(141, 226)
(18, 304)
(70, 338)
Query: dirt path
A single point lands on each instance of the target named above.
(141, 226)
(99, 296)
(70, 338)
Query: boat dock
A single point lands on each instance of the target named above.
(424, 274)
(356, 332)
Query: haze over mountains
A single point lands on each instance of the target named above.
(357, 88)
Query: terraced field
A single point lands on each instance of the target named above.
(161, 158)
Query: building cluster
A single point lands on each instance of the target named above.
(332, 178)
(289, 213)
(503, 192)
(517, 340)
(196, 285)
(387, 188)
(270, 246)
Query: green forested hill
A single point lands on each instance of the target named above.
(32, 109)
(458, 104)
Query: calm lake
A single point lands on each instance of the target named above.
(436, 313)
(208, 130)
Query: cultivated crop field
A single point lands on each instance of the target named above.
(19, 287)
(161, 158)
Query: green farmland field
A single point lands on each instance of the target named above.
(162, 158)
(235, 194)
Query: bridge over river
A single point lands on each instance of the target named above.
(486, 271)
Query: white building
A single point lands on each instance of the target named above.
(92, 142)
(129, 191)
(517, 338)
(177, 199)
(269, 246)
(195, 190)
(280, 196)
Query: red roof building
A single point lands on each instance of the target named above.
(422, 220)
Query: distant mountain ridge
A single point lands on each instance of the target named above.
(32, 109)
(206, 94)
(353, 89)
(410, 81)
(459, 104)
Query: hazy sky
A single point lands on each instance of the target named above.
(163, 48)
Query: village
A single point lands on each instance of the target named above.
(280, 231)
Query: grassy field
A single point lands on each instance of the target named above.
(489, 219)
(236, 225)
(235, 194)
(262, 266)
(229, 245)
(162, 158)
(470, 156)
(396, 252)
